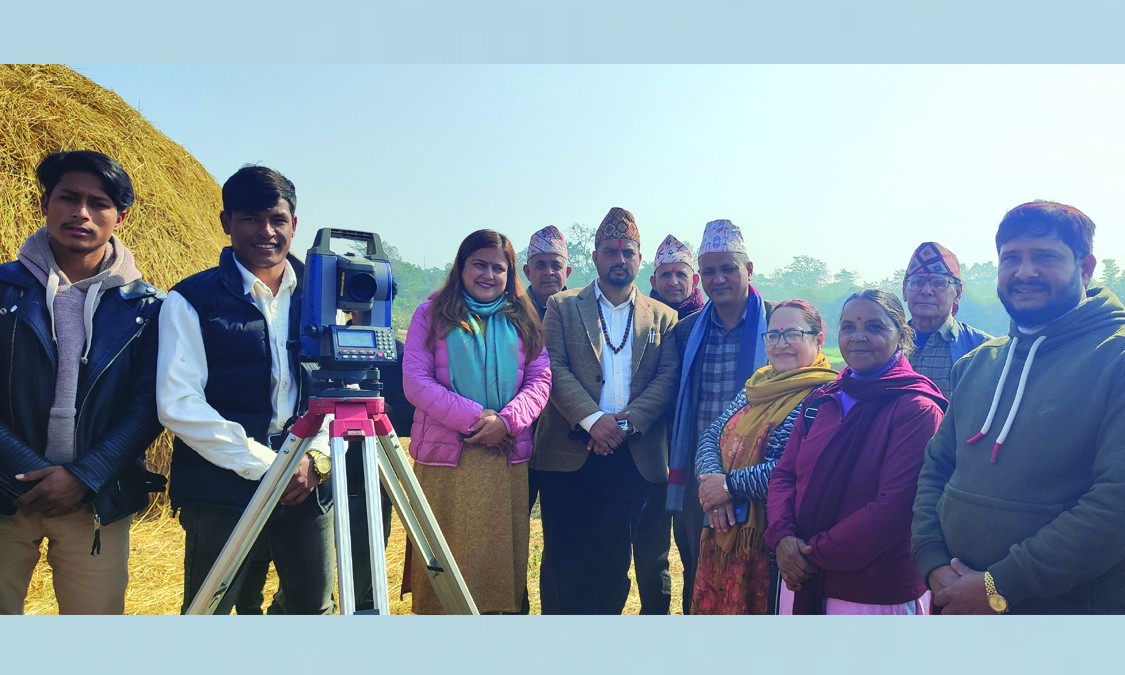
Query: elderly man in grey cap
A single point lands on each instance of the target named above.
(674, 280)
(675, 283)
(932, 289)
(547, 267)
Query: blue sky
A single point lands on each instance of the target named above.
(854, 165)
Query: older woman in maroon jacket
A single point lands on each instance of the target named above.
(840, 499)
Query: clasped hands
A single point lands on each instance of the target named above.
(959, 589)
(791, 562)
(716, 502)
(488, 431)
(606, 435)
(57, 494)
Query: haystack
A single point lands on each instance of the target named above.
(173, 229)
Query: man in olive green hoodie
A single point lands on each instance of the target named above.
(1021, 501)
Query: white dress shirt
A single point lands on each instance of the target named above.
(617, 369)
(181, 369)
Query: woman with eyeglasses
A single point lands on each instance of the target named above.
(841, 498)
(736, 456)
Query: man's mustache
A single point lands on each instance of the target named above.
(1028, 286)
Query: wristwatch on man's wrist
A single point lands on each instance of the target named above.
(997, 602)
(321, 465)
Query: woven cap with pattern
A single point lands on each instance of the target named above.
(673, 250)
(547, 240)
(617, 224)
(933, 258)
(722, 236)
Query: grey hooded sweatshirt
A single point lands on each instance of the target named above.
(72, 307)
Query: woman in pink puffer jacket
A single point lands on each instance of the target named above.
(477, 371)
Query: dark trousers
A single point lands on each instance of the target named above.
(687, 526)
(652, 542)
(251, 596)
(532, 489)
(589, 516)
(300, 543)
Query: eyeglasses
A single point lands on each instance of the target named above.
(790, 336)
(937, 283)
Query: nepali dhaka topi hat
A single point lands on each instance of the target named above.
(933, 258)
(722, 236)
(673, 250)
(547, 240)
(618, 224)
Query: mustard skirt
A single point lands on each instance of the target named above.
(481, 507)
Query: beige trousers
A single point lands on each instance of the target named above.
(84, 583)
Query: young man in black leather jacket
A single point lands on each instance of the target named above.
(77, 390)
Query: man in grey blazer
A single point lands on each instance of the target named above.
(603, 440)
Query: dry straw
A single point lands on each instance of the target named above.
(173, 229)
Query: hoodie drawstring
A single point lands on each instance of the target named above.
(52, 291)
(999, 390)
(93, 294)
(1015, 402)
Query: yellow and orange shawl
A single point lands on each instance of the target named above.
(771, 397)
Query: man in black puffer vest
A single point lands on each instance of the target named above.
(228, 388)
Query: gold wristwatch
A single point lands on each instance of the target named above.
(321, 465)
(997, 602)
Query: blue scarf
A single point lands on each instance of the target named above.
(750, 358)
(484, 360)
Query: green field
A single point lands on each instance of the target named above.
(834, 357)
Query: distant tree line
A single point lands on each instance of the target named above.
(805, 277)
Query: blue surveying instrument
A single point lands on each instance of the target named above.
(362, 288)
(358, 289)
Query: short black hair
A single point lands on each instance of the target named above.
(257, 188)
(115, 181)
(1041, 218)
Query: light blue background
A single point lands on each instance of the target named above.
(565, 31)
(568, 31)
(581, 645)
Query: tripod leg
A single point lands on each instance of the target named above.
(423, 528)
(375, 528)
(402, 504)
(249, 526)
(345, 578)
